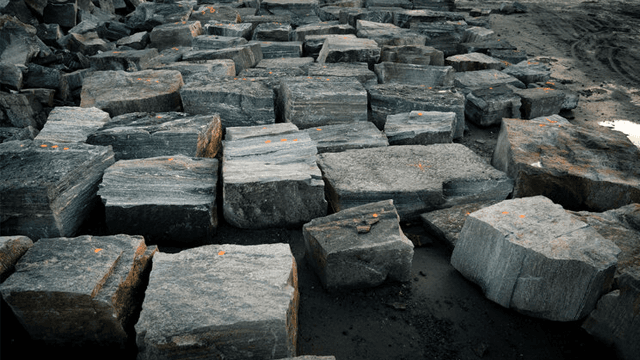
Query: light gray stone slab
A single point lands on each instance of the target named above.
(272, 32)
(358, 70)
(244, 56)
(412, 54)
(340, 137)
(339, 49)
(530, 255)
(245, 132)
(70, 124)
(286, 63)
(474, 62)
(313, 43)
(229, 301)
(231, 29)
(127, 60)
(418, 178)
(216, 42)
(324, 28)
(389, 34)
(529, 72)
(11, 250)
(420, 128)
(359, 247)
(485, 79)
(478, 34)
(411, 74)
(202, 70)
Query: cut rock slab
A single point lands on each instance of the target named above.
(11, 250)
(70, 124)
(418, 178)
(530, 255)
(576, 167)
(219, 301)
(79, 291)
(420, 128)
(359, 247)
(355, 135)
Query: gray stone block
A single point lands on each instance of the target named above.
(313, 43)
(137, 41)
(444, 36)
(61, 13)
(60, 182)
(510, 56)
(215, 42)
(339, 49)
(420, 128)
(474, 62)
(38, 76)
(404, 18)
(143, 196)
(21, 110)
(351, 15)
(22, 44)
(341, 137)
(244, 56)
(478, 34)
(79, 291)
(412, 54)
(221, 302)
(388, 34)
(127, 60)
(539, 102)
(359, 247)
(418, 178)
(175, 34)
(272, 32)
(11, 250)
(214, 12)
(484, 46)
(487, 107)
(571, 165)
(70, 124)
(435, 5)
(11, 76)
(145, 135)
(245, 132)
(119, 92)
(484, 79)
(298, 10)
(286, 63)
(359, 71)
(14, 133)
(530, 255)
(88, 43)
(205, 70)
(427, 75)
(231, 29)
(529, 72)
(281, 49)
(325, 28)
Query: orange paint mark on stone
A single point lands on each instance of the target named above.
(221, 252)
(522, 216)
(467, 213)
(375, 215)
(43, 145)
(54, 147)
(542, 125)
(318, 129)
(268, 141)
(419, 114)
(170, 159)
(505, 212)
(97, 250)
(65, 149)
(295, 139)
(283, 140)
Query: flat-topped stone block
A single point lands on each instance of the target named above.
(218, 300)
(217, 42)
(286, 63)
(59, 181)
(412, 54)
(484, 79)
(574, 166)
(418, 178)
(70, 124)
(474, 62)
(317, 101)
(420, 128)
(388, 34)
(359, 247)
(351, 15)
(427, 75)
(79, 291)
(202, 70)
(539, 102)
(11, 250)
(137, 41)
(149, 15)
(210, 11)
(404, 18)
(529, 72)
(127, 60)
(313, 43)
(272, 32)
(359, 71)
(445, 36)
(244, 56)
(239, 101)
(487, 106)
(245, 132)
(119, 92)
(142, 196)
(340, 137)
(347, 49)
(281, 49)
(530, 255)
(325, 28)
(143, 135)
(230, 29)
(175, 34)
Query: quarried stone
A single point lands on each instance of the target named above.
(244, 56)
(245, 132)
(530, 255)
(412, 54)
(314, 43)
(487, 106)
(137, 41)
(420, 128)
(359, 247)
(21, 110)
(444, 36)
(231, 29)
(272, 32)
(483, 79)
(359, 71)
(539, 102)
(347, 49)
(215, 42)
(70, 124)
(529, 72)
(11, 250)
(340, 137)
(325, 28)
(281, 49)
(168, 200)
(202, 70)
(149, 15)
(127, 60)
(404, 18)
(389, 34)
(175, 34)
(474, 62)
(227, 301)
(427, 75)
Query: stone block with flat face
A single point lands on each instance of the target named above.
(411, 74)
(11, 250)
(175, 34)
(487, 107)
(230, 29)
(127, 60)
(539, 102)
(529, 72)
(420, 128)
(484, 79)
(339, 49)
(206, 69)
(445, 36)
(404, 18)
(280, 49)
(389, 34)
(70, 124)
(324, 28)
(216, 42)
(474, 62)
(359, 71)
(340, 137)
(412, 54)
(272, 32)
(313, 43)
(244, 56)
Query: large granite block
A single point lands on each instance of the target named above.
(144, 135)
(576, 167)
(484, 79)
(341, 137)
(168, 200)
(226, 301)
(359, 247)
(487, 106)
(324, 28)
(202, 70)
(280, 49)
(539, 102)
(79, 291)
(412, 54)
(418, 178)
(301, 11)
(529, 72)
(272, 32)
(48, 190)
(530, 255)
(149, 15)
(231, 29)
(444, 36)
(21, 110)
(474, 62)
(70, 124)
(244, 56)
(359, 71)
(216, 42)
(420, 128)
(127, 60)
(405, 18)
(175, 34)
(427, 75)
(347, 49)
(11, 250)
(245, 132)
(389, 34)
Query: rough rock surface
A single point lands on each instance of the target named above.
(355, 135)
(427, 75)
(70, 124)
(347, 49)
(244, 132)
(530, 255)
(359, 247)
(420, 128)
(358, 70)
(11, 250)
(488, 106)
(220, 300)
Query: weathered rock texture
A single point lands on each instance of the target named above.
(420, 128)
(359, 247)
(530, 255)
(79, 291)
(355, 135)
(577, 167)
(70, 124)
(48, 190)
(347, 49)
(168, 200)
(227, 301)
(488, 106)
(427, 75)
(418, 178)
(11, 250)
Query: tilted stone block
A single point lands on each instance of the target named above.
(427, 75)
(128, 60)
(202, 70)
(233, 29)
(355, 135)
(339, 49)
(529, 72)
(420, 128)
(474, 62)
(215, 12)
(487, 107)
(530, 255)
(21, 110)
(539, 102)
(351, 15)
(281, 49)
(244, 56)
(221, 302)
(60, 182)
(70, 124)
(88, 43)
(175, 34)
(79, 291)
(404, 18)
(137, 41)
(484, 79)
(444, 36)
(11, 250)
(478, 34)
(412, 54)
(38, 76)
(148, 15)
(216, 42)
(359, 71)
(328, 28)
(510, 56)
(313, 43)
(389, 34)
(359, 247)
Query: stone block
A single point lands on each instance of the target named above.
(21, 44)
(359, 71)
(388, 34)
(474, 62)
(404, 4)
(478, 34)
(359, 247)
(539, 102)
(127, 60)
(221, 302)
(435, 5)
(79, 292)
(484, 79)
(272, 32)
(444, 36)
(389, 99)
(246, 132)
(311, 102)
(38, 76)
(281, 49)
(256, 20)
(14, 133)
(487, 107)
(531, 256)
(412, 54)
(59, 181)
(43, 96)
(113, 30)
(420, 128)
(404, 18)
(142, 196)
(61, 13)
(339, 49)
(232, 29)
(351, 15)
(341, 137)
(214, 12)
(529, 72)
(297, 9)
(215, 42)
(485, 46)
(120, 92)
(325, 28)
(11, 250)
(574, 166)
(239, 102)
(149, 15)
(11, 76)
(272, 181)
(244, 56)
(205, 70)
(510, 56)
(286, 63)
(145, 135)
(313, 43)
(88, 43)
(427, 75)
(70, 124)
(21, 110)
(175, 34)
(418, 178)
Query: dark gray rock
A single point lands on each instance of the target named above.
(215, 42)
(218, 300)
(444, 36)
(427, 75)
(418, 178)
(475, 34)
(487, 107)
(412, 54)
(145, 135)
(174, 34)
(388, 34)
(324, 28)
(484, 79)
(11, 76)
(474, 62)
(404, 18)
(70, 124)
(245, 132)
(435, 5)
(244, 56)
(301, 11)
(137, 41)
(539, 102)
(510, 56)
(43, 96)
(485, 46)
(286, 63)
(530, 255)
(341, 49)
(215, 12)
(272, 32)
(359, 71)
(20, 45)
(148, 15)
(210, 70)
(11, 250)
(313, 43)
(127, 60)
(62, 13)
(529, 72)
(231, 29)
(351, 15)
(15, 133)
(420, 128)
(359, 247)
(577, 167)
(341, 137)
(88, 43)
(38, 76)
(21, 110)
(281, 49)
(79, 291)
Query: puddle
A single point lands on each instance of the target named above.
(631, 129)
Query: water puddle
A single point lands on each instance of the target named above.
(631, 129)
